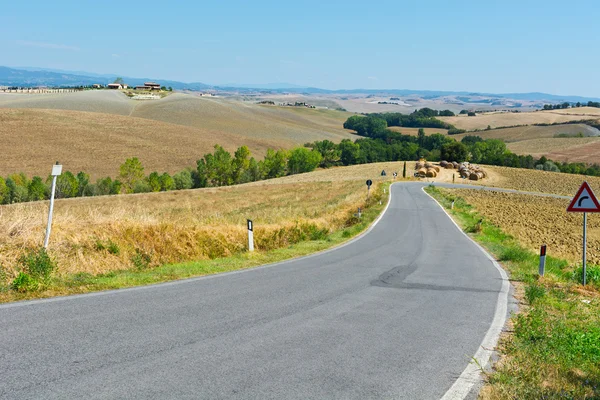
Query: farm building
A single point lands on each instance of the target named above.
(115, 86)
(152, 85)
(96, 86)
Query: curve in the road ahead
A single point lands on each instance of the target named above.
(398, 313)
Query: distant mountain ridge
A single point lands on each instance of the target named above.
(33, 76)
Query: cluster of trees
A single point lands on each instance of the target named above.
(373, 125)
(568, 105)
(383, 144)
(219, 168)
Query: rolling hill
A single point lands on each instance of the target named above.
(95, 131)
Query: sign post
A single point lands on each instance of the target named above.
(250, 235)
(56, 171)
(585, 201)
(369, 183)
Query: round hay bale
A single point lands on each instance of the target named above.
(475, 176)
(431, 173)
(455, 164)
(449, 166)
(422, 172)
(428, 165)
(464, 174)
(437, 169)
(485, 174)
(443, 163)
(419, 165)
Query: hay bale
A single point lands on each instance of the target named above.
(443, 163)
(464, 174)
(428, 165)
(431, 173)
(422, 172)
(449, 166)
(455, 164)
(419, 165)
(437, 169)
(475, 176)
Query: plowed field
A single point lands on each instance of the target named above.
(538, 220)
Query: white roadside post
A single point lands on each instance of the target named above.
(585, 201)
(56, 171)
(369, 183)
(542, 260)
(250, 236)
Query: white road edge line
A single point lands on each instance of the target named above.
(471, 374)
(199, 278)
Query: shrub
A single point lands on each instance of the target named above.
(24, 283)
(183, 180)
(38, 264)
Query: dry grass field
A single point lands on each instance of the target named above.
(538, 221)
(184, 225)
(499, 119)
(96, 131)
(560, 149)
(103, 101)
(98, 143)
(414, 131)
(532, 132)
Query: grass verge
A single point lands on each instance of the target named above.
(553, 350)
(144, 274)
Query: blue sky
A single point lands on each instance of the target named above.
(486, 46)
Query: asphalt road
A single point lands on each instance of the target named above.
(396, 314)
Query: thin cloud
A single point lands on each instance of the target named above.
(115, 55)
(44, 45)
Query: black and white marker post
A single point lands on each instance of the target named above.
(542, 260)
(250, 236)
(369, 183)
(56, 171)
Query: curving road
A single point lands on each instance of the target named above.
(397, 313)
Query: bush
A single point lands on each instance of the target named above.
(24, 283)
(38, 264)
(183, 180)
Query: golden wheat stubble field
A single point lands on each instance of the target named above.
(498, 119)
(167, 135)
(99, 143)
(539, 220)
(184, 225)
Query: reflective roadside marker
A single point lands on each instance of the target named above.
(542, 260)
(250, 235)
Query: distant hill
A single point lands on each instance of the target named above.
(32, 76)
(41, 77)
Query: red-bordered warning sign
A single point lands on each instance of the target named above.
(584, 201)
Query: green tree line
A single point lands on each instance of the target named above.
(219, 168)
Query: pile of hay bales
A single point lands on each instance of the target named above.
(426, 169)
(466, 170)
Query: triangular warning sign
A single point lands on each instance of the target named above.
(584, 200)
